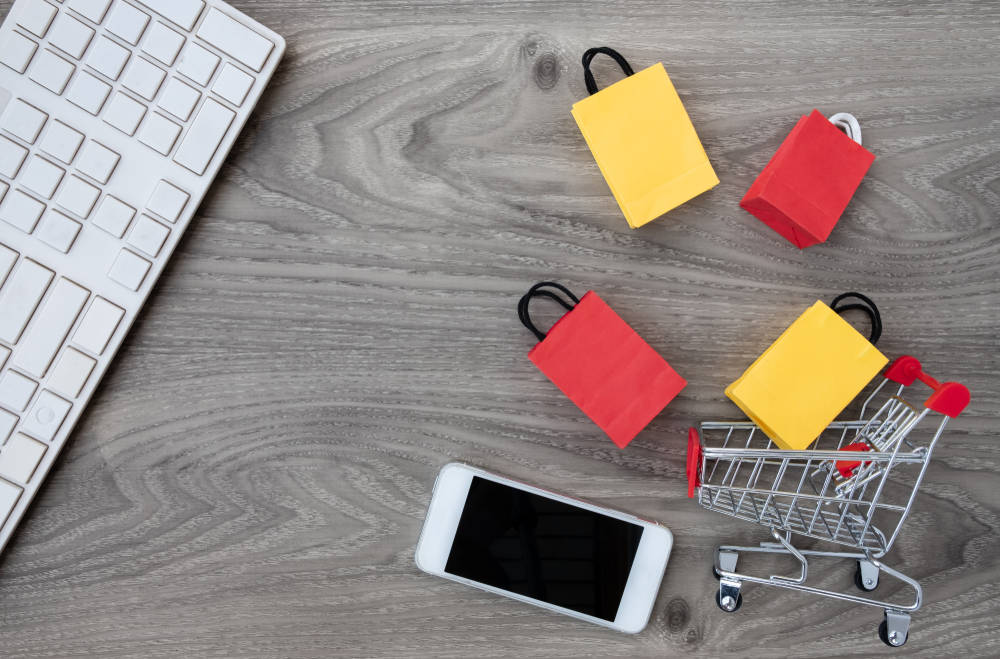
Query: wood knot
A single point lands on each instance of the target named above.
(546, 71)
(678, 614)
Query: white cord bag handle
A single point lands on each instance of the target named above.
(849, 123)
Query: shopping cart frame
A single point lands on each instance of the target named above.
(849, 484)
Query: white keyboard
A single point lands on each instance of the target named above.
(115, 116)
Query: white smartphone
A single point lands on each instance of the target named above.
(543, 548)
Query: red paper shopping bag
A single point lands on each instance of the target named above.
(806, 186)
(601, 364)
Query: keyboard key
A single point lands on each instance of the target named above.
(204, 136)
(88, 92)
(235, 39)
(23, 120)
(107, 57)
(20, 457)
(77, 196)
(124, 113)
(19, 297)
(144, 78)
(70, 36)
(127, 22)
(9, 494)
(12, 155)
(46, 415)
(52, 324)
(7, 259)
(51, 71)
(7, 423)
(61, 142)
(98, 326)
(3, 191)
(71, 373)
(162, 43)
(181, 12)
(179, 98)
(41, 176)
(232, 84)
(167, 201)
(4, 354)
(113, 216)
(198, 64)
(16, 50)
(93, 10)
(58, 231)
(21, 210)
(16, 390)
(129, 269)
(98, 161)
(159, 133)
(148, 235)
(35, 17)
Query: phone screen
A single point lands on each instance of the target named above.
(542, 548)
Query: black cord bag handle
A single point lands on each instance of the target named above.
(588, 57)
(539, 290)
(865, 305)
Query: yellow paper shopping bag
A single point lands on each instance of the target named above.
(810, 373)
(643, 141)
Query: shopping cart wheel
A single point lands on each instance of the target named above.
(895, 629)
(866, 576)
(728, 602)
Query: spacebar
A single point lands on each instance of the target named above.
(204, 136)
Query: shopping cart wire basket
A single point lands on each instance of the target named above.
(854, 486)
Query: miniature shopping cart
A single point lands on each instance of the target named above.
(853, 486)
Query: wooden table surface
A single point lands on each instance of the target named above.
(339, 322)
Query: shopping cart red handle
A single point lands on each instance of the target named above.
(949, 398)
(693, 461)
(847, 467)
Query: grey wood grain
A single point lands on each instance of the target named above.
(339, 323)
